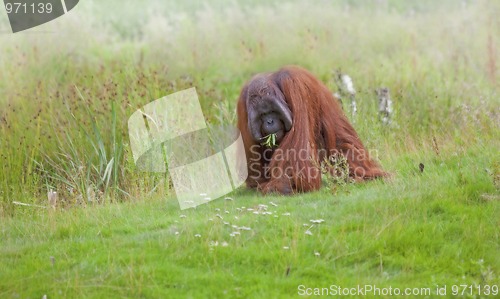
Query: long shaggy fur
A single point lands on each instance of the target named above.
(319, 130)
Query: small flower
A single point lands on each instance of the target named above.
(317, 253)
(273, 204)
(285, 214)
(197, 236)
(286, 247)
(308, 232)
(183, 216)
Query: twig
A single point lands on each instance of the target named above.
(384, 105)
(387, 225)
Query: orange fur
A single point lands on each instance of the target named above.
(320, 129)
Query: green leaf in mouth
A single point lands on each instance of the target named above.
(269, 140)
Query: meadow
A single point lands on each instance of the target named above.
(67, 89)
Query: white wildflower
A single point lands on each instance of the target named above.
(348, 85)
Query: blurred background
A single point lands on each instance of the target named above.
(68, 87)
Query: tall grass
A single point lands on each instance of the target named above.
(67, 93)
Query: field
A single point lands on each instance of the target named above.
(67, 89)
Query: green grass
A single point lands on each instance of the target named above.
(65, 98)
(417, 230)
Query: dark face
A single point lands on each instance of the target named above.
(268, 112)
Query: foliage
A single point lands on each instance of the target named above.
(66, 96)
(269, 140)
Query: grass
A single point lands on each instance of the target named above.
(418, 230)
(65, 98)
